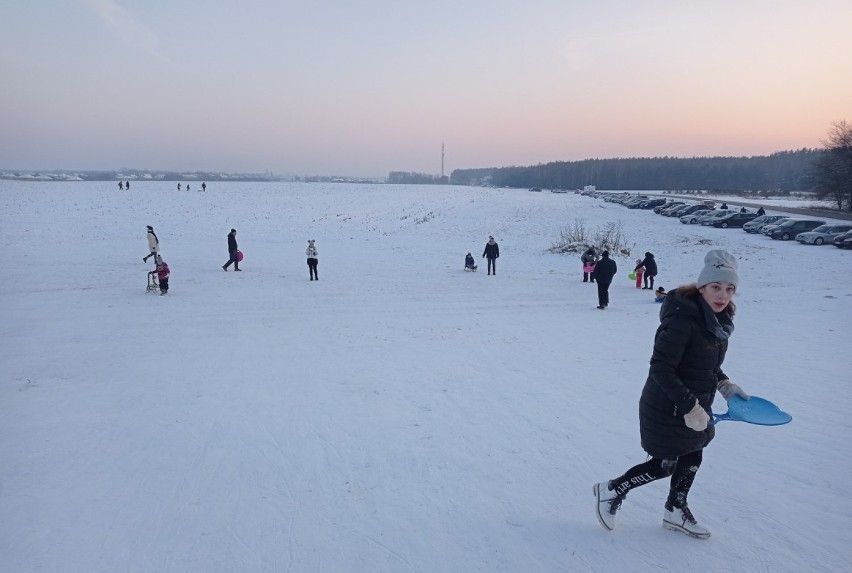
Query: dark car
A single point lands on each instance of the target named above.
(650, 204)
(734, 220)
(789, 229)
(844, 241)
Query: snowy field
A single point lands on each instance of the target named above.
(400, 414)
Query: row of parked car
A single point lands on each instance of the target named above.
(780, 227)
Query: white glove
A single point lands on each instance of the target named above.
(727, 389)
(697, 418)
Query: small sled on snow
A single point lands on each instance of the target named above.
(470, 269)
(153, 283)
(755, 410)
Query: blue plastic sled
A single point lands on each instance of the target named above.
(755, 410)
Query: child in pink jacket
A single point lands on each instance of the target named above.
(162, 275)
(640, 272)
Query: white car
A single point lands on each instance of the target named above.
(824, 234)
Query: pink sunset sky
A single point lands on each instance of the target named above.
(363, 88)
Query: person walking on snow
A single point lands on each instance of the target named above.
(232, 250)
(605, 269)
(153, 244)
(650, 265)
(491, 252)
(312, 254)
(162, 274)
(674, 410)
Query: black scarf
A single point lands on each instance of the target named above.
(720, 329)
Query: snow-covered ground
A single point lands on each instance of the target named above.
(399, 414)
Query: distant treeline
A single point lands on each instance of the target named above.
(412, 178)
(782, 171)
(139, 175)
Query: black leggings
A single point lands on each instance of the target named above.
(682, 470)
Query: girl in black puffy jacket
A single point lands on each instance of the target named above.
(685, 373)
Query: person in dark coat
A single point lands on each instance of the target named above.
(605, 269)
(674, 410)
(650, 265)
(761, 212)
(589, 258)
(491, 252)
(232, 250)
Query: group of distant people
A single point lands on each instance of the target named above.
(122, 185)
(203, 186)
(162, 271)
(601, 270)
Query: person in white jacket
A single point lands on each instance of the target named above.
(312, 255)
(153, 245)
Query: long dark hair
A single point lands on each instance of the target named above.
(691, 291)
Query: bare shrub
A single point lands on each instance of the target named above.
(576, 238)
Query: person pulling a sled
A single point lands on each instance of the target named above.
(163, 273)
(684, 376)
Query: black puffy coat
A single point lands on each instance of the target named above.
(492, 251)
(650, 265)
(685, 365)
(605, 269)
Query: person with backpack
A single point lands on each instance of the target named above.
(312, 255)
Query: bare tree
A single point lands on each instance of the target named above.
(832, 172)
